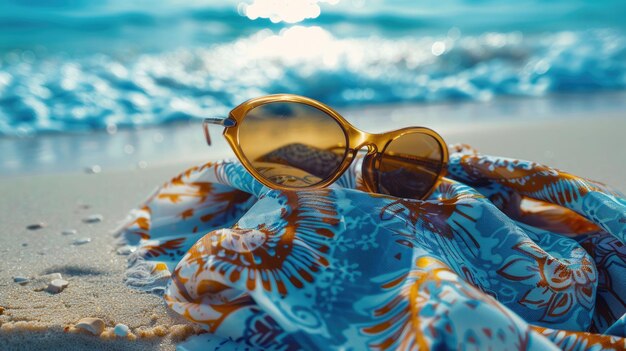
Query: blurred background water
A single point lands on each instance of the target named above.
(79, 65)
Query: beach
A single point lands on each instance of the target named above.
(102, 102)
(36, 320)
(579, 134)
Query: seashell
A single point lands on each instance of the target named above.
(57, 285)
(94, 326)
(21, 280)
(35, 226)
(42, 282)
(82, 241)
(95, 218)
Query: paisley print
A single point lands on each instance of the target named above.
(609, 256)
(559, 285)
(577, 341)
(427, 305)
(264, 252)
(505, 254)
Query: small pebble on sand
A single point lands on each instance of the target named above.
(95, 218)
(82, 241)
(41, 283)
(95, 169)
(24, 244)
(35, 226)
(126, 250)
(121, 330)
(69, 232)
(94, 326)
(159, 291)
(57, 285)
(21, 280)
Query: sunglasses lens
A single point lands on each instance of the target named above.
(410, 166)
(292, 144)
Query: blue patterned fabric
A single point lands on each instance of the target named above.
(505, 254)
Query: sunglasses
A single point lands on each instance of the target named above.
(291, 142)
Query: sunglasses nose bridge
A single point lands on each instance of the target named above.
(363, 140)
(368, 165)
(370, 151)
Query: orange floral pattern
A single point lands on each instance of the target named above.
(505, 254)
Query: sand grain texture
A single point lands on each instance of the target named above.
(37, 319)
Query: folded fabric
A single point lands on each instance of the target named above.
(505, 254)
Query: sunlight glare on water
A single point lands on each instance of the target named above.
(79, 65)
(289, 11)
(297, 43)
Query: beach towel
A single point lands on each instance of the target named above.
(505, 254)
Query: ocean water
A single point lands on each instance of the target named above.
(78, 65)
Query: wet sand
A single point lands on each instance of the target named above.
(589, 145)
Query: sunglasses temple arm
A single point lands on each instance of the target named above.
(224, 122)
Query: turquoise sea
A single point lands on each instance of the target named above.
(78, 65)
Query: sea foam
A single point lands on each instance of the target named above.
(61, 93)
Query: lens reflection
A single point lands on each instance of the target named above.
(292, 144)
(410, 166)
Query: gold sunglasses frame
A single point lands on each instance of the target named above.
(355, 140)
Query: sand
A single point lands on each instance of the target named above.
(94, 270)
(588, 145)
